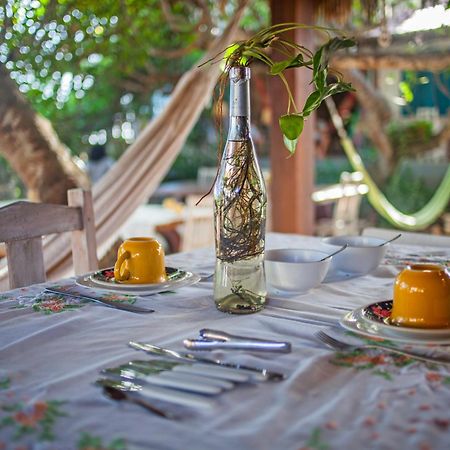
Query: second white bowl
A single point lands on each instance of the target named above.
(363, 254)
(295, 270)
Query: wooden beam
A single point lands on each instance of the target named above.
(433, 62)
(292, 179)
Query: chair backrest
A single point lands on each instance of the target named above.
(408, 237)
(346, 196)
(198, 228)
(22, 225)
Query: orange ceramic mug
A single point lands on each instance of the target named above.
(422, 297)
(140, 260)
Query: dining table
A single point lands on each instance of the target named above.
(54, 348)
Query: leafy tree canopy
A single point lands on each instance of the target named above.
(92, 66)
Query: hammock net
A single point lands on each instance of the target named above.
(413, 222)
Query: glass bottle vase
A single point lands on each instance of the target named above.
(240, 211)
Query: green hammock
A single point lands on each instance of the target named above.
(417, 221)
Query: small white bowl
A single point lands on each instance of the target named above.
(363, 254)
(295, 270)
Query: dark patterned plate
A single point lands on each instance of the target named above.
(105, 277)
(379, 313)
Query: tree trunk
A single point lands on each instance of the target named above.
(376, 115)
(32, 148)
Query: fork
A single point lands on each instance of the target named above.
(344, 346)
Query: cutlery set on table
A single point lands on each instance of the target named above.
(184, 378)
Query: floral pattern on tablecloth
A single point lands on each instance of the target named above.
(395, 258)
(24, 424)
(422, 414)
(90, 442)
(49, 303)
(381, 364)
(37, 419)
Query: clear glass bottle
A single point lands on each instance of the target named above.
(239, 211)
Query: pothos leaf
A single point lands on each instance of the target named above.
(297, 61)
(312, 102)
(291, 125)
(232, 51)
(320, 80)
(290, 144)
(316, 61)
(333, 45)
(279, 67)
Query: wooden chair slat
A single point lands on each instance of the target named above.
(42, 219)
(23, 224)
(84, 247)
(25, 262)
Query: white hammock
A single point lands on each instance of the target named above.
(139, 171)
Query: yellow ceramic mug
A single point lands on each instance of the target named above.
(140, 260)
(422, 297)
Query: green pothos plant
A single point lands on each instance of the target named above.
(279, 54)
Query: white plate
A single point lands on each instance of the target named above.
(188, 279)
(354, 321)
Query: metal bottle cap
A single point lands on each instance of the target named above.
(239, 91)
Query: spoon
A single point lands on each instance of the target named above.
(335, 253)
(118, 395)
(390, 240)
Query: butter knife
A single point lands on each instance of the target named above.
(256, 373)
(255, 346)
(177, 382)
(109, 303)
(160, 393)
(223, 340)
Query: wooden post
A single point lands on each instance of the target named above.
(292, 179)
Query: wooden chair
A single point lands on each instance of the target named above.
(346, 197)
(22, 225)
(198, 230)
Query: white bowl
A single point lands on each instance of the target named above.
(362, 255)
(295, 270)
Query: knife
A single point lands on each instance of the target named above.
(223, 340)
(160, 393)
(109, 303)
(188, 371)
(257, 374)
(262, 346)
(177, 382)
(194, 372)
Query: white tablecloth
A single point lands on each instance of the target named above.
(50, 360)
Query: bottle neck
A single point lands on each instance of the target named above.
(239, 128)
(240, 97)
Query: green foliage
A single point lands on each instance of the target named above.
(407, 136)
(94, 68)
(88, 66)
(408, 192)
(11, 187)
(292, 125)
(263, 45)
